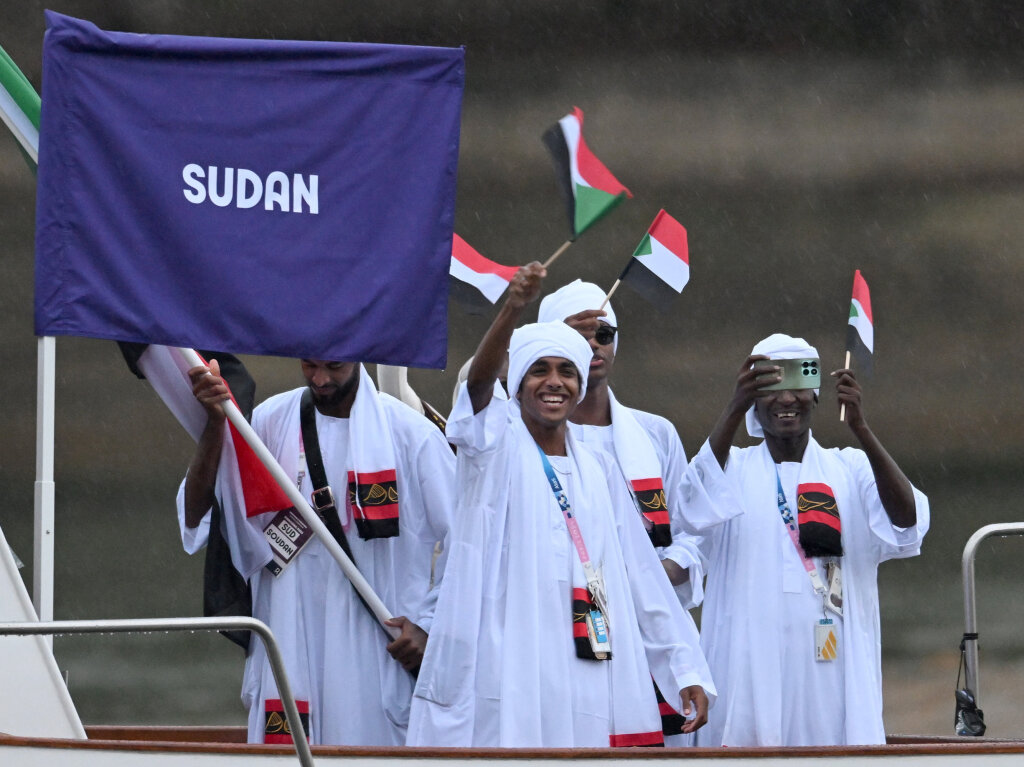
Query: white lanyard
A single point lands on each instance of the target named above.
(594, 582)
(794, 536)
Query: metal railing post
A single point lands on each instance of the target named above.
(260, 628)
(970, 609)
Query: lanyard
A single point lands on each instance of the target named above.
(594, 582)
(794, 536)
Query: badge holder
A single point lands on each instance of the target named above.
(287, 535)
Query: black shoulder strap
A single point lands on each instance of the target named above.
(324, 501)
(323, 497)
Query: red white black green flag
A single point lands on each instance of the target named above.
(860, 334)
(588, 187)
(475, 277)
(660, 266)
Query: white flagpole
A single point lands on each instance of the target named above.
(42, 560)
(377, 607)
(46, 383)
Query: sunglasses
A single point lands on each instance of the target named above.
(605, 334)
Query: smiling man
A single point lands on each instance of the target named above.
(557, 612)
(645, 446)
(790, 622)
(389, 475)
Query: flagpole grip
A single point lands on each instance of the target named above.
(311, 518)
(557, 253)
(842, 408)
(608, 297)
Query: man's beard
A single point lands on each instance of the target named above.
(337, 394)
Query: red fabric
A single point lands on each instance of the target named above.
(822, 518)
(671, 234)
(260, 491)
(465, 254)
(593, 170)
(654, 483)
(637, 739)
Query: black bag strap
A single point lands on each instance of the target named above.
(324, 502)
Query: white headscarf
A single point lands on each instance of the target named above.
(576, 297)
(546, 339)
(777, 346)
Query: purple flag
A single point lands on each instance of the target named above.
(255, 196)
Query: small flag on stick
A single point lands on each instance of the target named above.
(471, 270)
(860, 334)
(588, 187)
(19, 108)
(660, 266)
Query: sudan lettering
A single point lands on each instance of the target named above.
(245, 189)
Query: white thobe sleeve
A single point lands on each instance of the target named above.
(706, 494)
(670, 637)
(685, 548)
(435, 473)
(481, 432)
(192, 538)
(892, 542)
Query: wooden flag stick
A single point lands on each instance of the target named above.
(842, 408)
(557, 253)
(609, 296)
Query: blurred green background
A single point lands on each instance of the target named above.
(796, 142)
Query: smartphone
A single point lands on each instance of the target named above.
(796, 374)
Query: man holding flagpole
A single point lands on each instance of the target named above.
(381, 478)
(790, 622)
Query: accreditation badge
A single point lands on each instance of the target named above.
(597, 632)
(834, 598)
(826, 641)
(287, 534)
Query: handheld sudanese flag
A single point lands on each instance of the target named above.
(476, 278)
(587, 186)
(255, 196)
(19, 108)
(660, 266)
(860, 333)
(244, 485)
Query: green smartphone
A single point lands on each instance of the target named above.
(796, 374)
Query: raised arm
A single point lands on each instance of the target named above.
(490, 354)
(209, 388)
(894, 489)
(748, 380)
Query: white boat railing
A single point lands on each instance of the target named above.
(970, 640)
(140, 625)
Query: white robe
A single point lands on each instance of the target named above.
(757, 623)
(333, 648)
(501, 667)
(684, 549)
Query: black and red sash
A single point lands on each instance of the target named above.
(275, 724)
(650, 498)
(818, 517)
(373, 503)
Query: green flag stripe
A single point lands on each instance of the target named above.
(17, 85)
(644, 248)
(592, 204)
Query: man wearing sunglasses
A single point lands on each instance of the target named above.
(646, 447)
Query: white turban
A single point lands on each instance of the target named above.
(576, 297)
(546, 339)
(778, 346)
